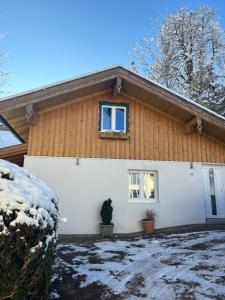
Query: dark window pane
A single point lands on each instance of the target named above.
(120, 115)
(213, 203)
(107, 118)
(212, 192)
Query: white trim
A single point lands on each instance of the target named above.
(141, 199)
(113, 119)
(213, 164)
(136, 201)
(219, 191)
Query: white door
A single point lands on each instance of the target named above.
(214, 192)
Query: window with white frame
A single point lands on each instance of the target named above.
(143, 186)
(113, 118)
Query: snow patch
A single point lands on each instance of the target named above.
(169, 267)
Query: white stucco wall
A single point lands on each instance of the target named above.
(82, 189)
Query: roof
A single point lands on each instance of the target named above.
(13, 108)
(14, 154)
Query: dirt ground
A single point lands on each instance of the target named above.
(163, 266)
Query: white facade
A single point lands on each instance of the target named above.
(83, 184)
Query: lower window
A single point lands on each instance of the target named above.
(143, 186)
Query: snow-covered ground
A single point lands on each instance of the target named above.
(179, 266)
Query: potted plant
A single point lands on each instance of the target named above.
(106, 226)
(149, 222)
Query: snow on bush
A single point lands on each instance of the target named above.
(25, 197)
(28, 221)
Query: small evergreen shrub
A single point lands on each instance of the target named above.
(106, 212)
(28, 221)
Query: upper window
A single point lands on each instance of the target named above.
(113, 117)
(143, 186)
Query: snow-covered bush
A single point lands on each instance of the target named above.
(28, 221)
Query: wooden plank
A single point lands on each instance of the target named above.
(161, 138)
(137, 132)
(50, 135)
(14, 154)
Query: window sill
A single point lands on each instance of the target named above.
(152, 201)
(114, 135)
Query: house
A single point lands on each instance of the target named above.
(115, 134)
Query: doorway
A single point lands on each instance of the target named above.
(214, 192)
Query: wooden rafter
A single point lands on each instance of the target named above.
(30, 114)
(195, 125)
(117, 87)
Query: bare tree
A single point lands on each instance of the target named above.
(3, 74)
(188, 55)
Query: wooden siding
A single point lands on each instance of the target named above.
(72, 130)
(14, 154)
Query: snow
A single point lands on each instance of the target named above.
(29, 197)
(169, 267)
(188, 55)
(38, 246)
(54, 295)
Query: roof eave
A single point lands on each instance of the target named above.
(17, 102)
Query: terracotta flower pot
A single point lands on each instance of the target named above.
(148, 226)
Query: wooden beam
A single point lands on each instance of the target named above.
(117, 87)
(194, 125)
(14, 154)
(22, 128)
(30, 114)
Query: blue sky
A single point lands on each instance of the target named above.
(51, 40)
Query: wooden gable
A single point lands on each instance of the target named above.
(72, 130)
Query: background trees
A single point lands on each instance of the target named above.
(3, 74)
(187, 55)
